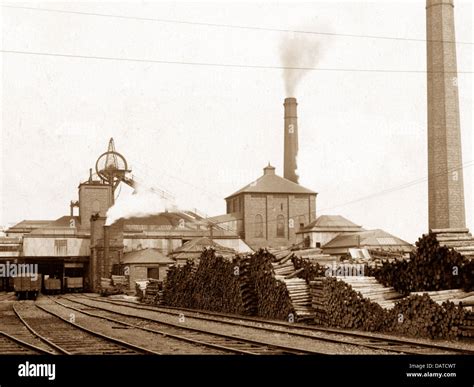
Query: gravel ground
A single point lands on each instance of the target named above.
(12, 325)
(154, 342)
(460, 344)
(245, 332)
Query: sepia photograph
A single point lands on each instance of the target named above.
(197, 180)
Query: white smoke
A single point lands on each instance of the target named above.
(143, 202)
(297, 50)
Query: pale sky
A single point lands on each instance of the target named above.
(202, 132)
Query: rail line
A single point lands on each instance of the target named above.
(69, 338)
(396, 345)
(10, 345)
(220, 341)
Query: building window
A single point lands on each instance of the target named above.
(60, 247)
(153, 273)
(280, 226)
(258, 226)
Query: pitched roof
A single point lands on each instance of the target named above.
(334, 223)
(146, 256)
(30, 224)
(367, 239)
(194, 248)
(233, 216)
(272, 183)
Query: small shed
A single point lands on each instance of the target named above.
(192, 250)
(145, 264)
(378, 240)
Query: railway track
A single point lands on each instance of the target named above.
(395, 345)
(222, 342)
(68, 338)
(10, 345)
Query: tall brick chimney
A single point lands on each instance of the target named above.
(445, 174)
(291, 140)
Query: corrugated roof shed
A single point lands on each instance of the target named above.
(372, 239)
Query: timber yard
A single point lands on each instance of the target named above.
(271, 276)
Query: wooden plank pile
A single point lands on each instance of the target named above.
(319, 301)
(456, 296)
(300, 297)
(459, 239)
(371, 289)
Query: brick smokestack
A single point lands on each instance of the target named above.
(291, 140)
(445, 174)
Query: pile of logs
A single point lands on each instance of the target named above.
(420, 316)
(306, 269)
(431, 267)
(262, 284)
(271, 294)
(370, 288)
(338, 305)
(211, 285)
(153, 292)
(357, 305)
(467, 327)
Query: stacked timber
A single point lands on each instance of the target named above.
(300, 296)
(372, 290)
(420, 316)
(213, 284)
(456, 296)
(319, 300)
(467, 327)
(431, 267)
(153, 293)
(272, 296)
(340, 304)
(459, 239)
(247, 287)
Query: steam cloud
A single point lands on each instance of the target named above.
(297, 51)
(143, 202)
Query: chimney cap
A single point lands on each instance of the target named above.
(269, 170)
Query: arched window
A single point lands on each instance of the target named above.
(258, 226)
(280, 226)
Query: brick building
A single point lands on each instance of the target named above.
(269, 211)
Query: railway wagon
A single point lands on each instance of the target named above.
(74, 284)
(52, 285)
(27, 287)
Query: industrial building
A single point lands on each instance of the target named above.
(272, 211)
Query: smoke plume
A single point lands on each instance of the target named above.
(143, 202)
(299, 50)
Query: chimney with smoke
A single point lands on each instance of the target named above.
(291, 141)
